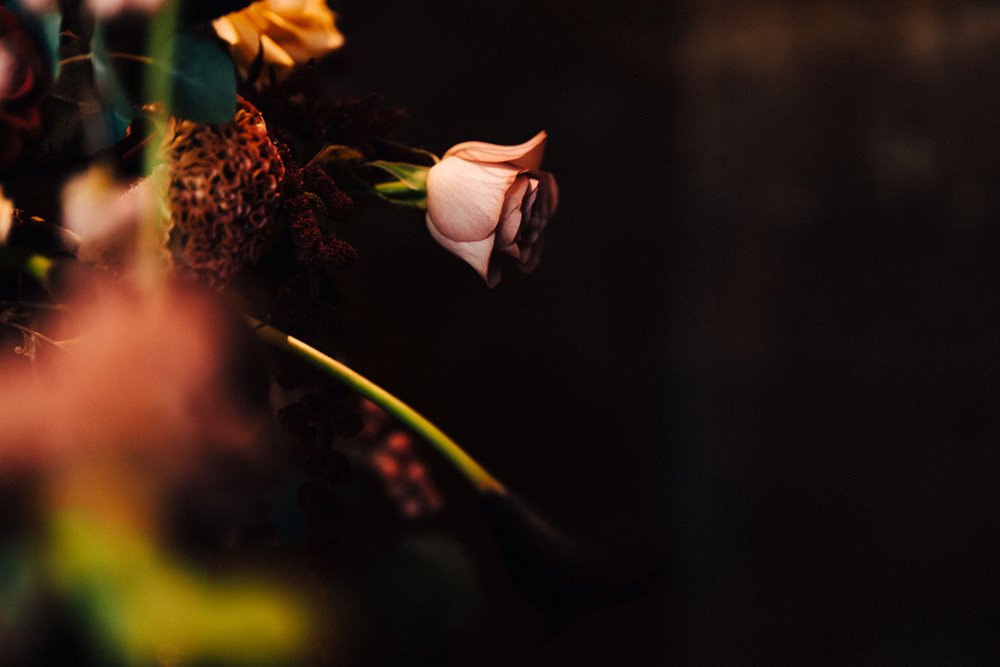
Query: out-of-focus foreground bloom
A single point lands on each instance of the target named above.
(132, 403)
(484, 199)
(105, 216)
(23, 79)
(289, 31)
(107, 8)
(140, 376)
(6, 216)
(155, 610)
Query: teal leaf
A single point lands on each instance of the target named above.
(109, 84)
(202, 78)
(45, 27)
(51, 24)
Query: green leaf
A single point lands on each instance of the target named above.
(109, 84)
(335, 155)
(397, 192)
(46, 28)
(413, 176)
(80, 118)
(202, 78)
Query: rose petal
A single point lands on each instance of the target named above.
(526, 156)
(511, 218)
(292, 32)
(550, 190)
(301, 36)
(476, 253)
(543, 204)
(531, 257)
(494, 276)
(274, 53)
(465, 199)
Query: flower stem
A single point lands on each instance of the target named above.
(114, 55)
(475, 473)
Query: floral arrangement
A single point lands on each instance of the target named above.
(175, 183)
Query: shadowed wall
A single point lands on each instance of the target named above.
(762, 341)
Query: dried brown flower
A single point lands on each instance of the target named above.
(223, 189)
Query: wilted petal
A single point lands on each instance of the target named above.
(465, 199)
(476, 253)
(531, 257)
(549, 192)
(525, 156)
(513, 217)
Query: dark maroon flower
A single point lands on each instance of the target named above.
(23, 80)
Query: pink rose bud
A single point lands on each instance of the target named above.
(484, 199)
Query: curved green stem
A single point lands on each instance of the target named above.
(475, 473)
(38, 266)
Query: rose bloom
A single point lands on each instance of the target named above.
(23, 79)
(290, 31)
(484, 199)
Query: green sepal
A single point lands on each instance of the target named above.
(399, 195)
(412, 176)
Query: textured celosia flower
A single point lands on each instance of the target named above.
(223, 188)
(484, 199)
(289, 31)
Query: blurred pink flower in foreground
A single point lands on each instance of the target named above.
(108, 8)
(105, 216)
(484, 199)
(140, 378)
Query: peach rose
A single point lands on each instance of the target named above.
(484, 199)
(290, 32)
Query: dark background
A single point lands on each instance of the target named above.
(762, 344)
